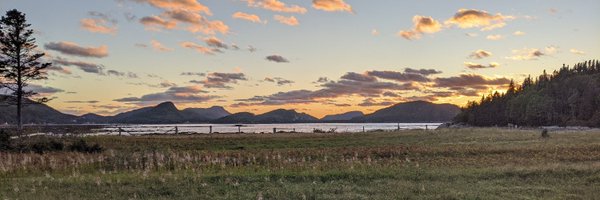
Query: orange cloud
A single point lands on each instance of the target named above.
(183, 11)
(479, 54)
(292, 21)
(189, 5)
(470, 18)
(332, 5)
(198, 48)
(248, 17)
(276, 5)
(471, 65)
(156, 22)
(494, 37)
(422, 25)
(209, 27)
(74, 49)
(198, 23)
(97, 26)
(159, 47)
(409, 35)
(532, 54)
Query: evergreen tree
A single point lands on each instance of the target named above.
(19, 60)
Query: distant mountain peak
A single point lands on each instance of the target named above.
(166, 104)
(343, 116)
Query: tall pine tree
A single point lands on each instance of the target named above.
(19, 60)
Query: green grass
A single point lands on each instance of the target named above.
(446, 164)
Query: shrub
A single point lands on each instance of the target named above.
(82, 146)
(5, 141)
(45, 145)
(545, 133)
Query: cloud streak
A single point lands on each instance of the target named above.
(221, 80)
(98, 26)
(472, 65)
(277, 59)
(290, 21)
(332, 5)
(480, 54)
(74, 49)
(248, 17)
(276, 5)
(176, 94)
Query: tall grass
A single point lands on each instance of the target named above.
(426, 164)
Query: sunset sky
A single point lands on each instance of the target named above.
(319, 57)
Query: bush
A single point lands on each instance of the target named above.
(545, 133)
(82, 146)
(5, 141)
(47, 146)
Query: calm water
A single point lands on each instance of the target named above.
(263, 128)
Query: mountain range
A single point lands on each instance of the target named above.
(168, 113)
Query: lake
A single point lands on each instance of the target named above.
(261, 128)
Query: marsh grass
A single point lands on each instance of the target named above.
(446, 164)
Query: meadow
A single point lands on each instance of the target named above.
(468, 163)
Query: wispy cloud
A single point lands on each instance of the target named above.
(156, 45)
(422, 25)
(291, 20)
(74, 49)
(532, 53)
(494, 37)
(472, 65)
(279, 81)
(399, 76)
(176, 94)
(480, 54)
(157, 23)
(191, 5)
(519, 33)
(98, 26)
(248, 17)
(471, 18)
(276, 5)
(576, 51)
(199, 48)
(332, 5)
(277, 59)
(188, 12)
(470, 81)
(221, 80)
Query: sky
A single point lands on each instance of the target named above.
(319, 57)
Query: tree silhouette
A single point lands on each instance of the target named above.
(19, 60)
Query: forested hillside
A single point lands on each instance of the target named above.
(569, 96)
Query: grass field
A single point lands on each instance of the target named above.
(443, 164)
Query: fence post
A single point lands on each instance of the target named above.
(363, 129)
(209, 129)
(274, 130)
(426, 128)
(398, 126)
(176, 130)
(119, 130)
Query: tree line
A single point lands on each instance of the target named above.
(569, 96)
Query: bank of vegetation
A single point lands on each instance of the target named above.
(569, 96)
